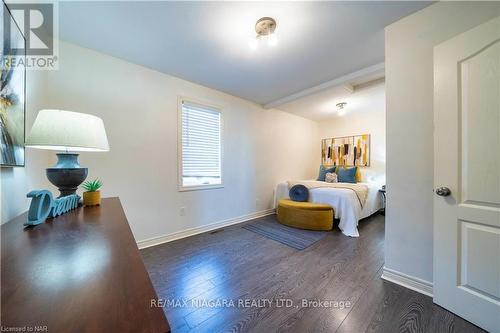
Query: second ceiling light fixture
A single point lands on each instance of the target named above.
(264, 28)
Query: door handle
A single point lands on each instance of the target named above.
(443, 191)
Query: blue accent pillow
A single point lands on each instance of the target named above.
(299, 193)
(347, 175)
(323, 171)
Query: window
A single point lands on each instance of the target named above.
(200, 146)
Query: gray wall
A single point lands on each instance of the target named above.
(409, 84)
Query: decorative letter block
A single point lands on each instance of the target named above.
(43, 205)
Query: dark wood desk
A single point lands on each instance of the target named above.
(80, 272)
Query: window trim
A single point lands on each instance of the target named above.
(180, 186)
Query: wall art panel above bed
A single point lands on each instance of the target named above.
(346, 151)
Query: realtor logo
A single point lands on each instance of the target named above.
(37, 23)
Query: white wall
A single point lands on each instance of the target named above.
(409, 91)
(371, 121)
(16, 182)
(139, 109)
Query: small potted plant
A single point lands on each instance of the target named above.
(92, 196)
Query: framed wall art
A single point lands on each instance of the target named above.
(12, 93)
(346, 151)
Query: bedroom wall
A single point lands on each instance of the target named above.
(409, 90)
(363, 121)
(16, 182)
(139, 109)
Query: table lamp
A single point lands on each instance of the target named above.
(69, 132)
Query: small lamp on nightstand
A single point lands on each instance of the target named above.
(69, 132)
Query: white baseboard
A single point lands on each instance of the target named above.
(408, 281)
(198, 230)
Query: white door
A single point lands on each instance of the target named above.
(467, 163)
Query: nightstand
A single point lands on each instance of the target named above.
(382, 210)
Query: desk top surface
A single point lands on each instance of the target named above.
(79, 272)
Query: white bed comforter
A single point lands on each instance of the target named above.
(345, 204)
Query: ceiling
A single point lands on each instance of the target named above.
(362, 96)
(207, 42)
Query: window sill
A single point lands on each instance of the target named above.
(199, 187)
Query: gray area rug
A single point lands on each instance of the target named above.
(297, 238)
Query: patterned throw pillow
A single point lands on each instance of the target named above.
(331, 178)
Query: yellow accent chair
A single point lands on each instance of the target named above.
(305, 215)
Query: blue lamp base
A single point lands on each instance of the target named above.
(67, 174)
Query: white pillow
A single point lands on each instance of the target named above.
(331, 178)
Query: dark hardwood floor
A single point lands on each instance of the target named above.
(196, 275)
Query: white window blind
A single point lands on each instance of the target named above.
(201, 145)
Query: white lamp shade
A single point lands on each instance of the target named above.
(66, 130)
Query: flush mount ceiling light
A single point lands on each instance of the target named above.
(340, 107)
(264, 28)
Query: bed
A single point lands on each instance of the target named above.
(347, 207)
